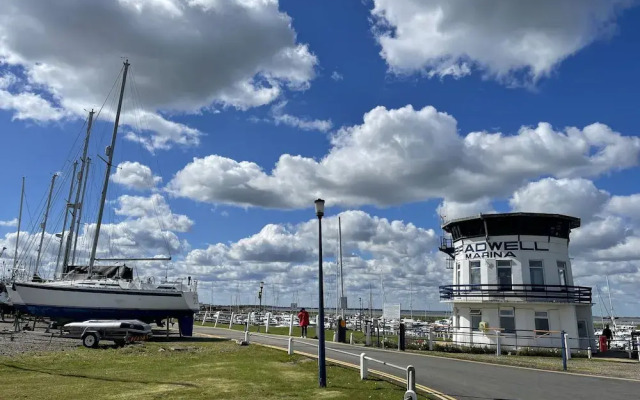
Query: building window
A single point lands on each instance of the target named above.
(542, 322)
(536, 273)
(476, 317)
(474, 273)
(582, 329)
(507, 320)
(562, 272)
(504, 274)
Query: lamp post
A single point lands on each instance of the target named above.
(322, 370)
(260, 295)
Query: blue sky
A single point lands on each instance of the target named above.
(314, 70)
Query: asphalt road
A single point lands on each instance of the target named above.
(463, 379)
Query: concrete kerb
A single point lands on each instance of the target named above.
(394, 379)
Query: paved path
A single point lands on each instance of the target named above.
(463, 379)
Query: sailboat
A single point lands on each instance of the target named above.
(105, 292)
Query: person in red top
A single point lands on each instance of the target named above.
(303, 317)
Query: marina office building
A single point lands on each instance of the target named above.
(512, 274)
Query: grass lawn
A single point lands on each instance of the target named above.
(196, 369)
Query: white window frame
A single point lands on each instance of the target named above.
(475, 313)
(537, 286)
(562, 272)
(499, 267)
(507, 313)
(479, 269)
(542, 316)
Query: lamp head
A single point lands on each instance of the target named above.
(261, 285)
(319, 207)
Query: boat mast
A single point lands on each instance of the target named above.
(110, 151)
(611, 315)
(84, 189)
(341, 277)
(44, 224)
(15, 254)
(76, 204)
(66, 215)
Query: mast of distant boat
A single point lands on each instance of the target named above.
(66, 215)
(613, 321)
(44, 224)
(77, 205)
(341, 276)
(84, 190)
(15, 254)
(110, 151)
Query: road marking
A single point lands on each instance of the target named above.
(422, 388)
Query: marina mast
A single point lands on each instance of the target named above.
(77, 205)
(66, 214)
(110, 151)
(44, 224)
(15, 254)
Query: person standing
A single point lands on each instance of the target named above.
(606, 332)
(303, 318)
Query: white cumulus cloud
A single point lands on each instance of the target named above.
(135, 176)
(500, 38)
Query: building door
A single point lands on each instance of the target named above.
(504, 274)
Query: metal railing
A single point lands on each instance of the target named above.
(513, 292)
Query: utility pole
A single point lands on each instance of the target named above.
(44, 224)
(105, 186)
(15, 254)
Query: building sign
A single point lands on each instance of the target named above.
(497, 249)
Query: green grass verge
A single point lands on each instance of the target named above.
(180, 370)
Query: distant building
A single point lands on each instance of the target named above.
(512, 273)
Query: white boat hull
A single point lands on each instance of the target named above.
(77, 303)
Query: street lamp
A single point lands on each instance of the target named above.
(260, 295)
(322, 369)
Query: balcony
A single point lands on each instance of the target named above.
(516, 293)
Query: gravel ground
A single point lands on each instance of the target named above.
(16, 343)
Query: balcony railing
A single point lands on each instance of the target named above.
(507, 293)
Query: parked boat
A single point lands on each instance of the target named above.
(103, 292)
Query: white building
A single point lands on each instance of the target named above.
(512, 274)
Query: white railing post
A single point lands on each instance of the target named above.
(246, 336)
(248, 321)
(411, 384)
(498, 346)
(217, 316)
(589, 352)
(431, 339)
(291, 325)
(290, 347)
(351, 338)
(204, 319)
(638, 348)
(231, 321)
(266, 323)
(566, 346)
(630, 350)
(335, 335)
(363, 366)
